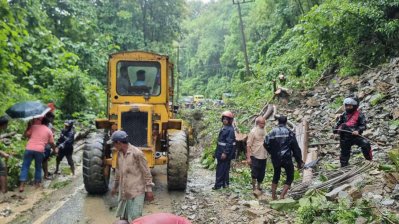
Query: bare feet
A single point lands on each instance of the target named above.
(22, 187)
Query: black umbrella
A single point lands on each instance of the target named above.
(28, 110)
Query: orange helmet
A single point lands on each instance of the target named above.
(228, 114)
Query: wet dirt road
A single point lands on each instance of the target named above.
(73, 205)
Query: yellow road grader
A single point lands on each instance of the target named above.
(140, 102)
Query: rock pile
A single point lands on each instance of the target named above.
(378, 91)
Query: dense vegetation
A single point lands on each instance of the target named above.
(50, 49)
(57, 50)
(301, 39)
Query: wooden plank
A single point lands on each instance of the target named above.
(302, 137)
(308, 173)
(269, 112)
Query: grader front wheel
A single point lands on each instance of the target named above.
(177, 160)
(94, 178)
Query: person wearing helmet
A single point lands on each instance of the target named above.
(350, 125)
(224, 151)
(65, 146)
(282, 146)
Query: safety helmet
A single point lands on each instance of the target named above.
(350, 101)
(69, 123)
(228, 114)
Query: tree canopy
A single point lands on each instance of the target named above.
(297, 38)
(58, 50)
(50, 49)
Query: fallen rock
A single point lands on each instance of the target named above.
(395, 114)
(357, 181)
(374, 189)
(283, 205)
(344, 195)
(312, 102)
(5, 212)
(376, 198)
(260, 221)
(374, 172)
(251, 204)
(349, 81)
(192, 217)
(355, 193)
(361, 220)
(332, 195)
(388, 202)
(234, 208)
(255, 213)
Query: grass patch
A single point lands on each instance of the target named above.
(59, 185)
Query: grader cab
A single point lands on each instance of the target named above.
(140, 102)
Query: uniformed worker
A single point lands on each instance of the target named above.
(224, 151)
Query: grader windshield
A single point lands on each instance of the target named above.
(138, 78)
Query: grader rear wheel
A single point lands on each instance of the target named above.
(94, 177)
(177, 160)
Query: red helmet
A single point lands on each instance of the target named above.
(228, 114)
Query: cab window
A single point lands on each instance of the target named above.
(138, 78)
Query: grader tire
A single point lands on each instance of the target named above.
(93, 165)
(177, 160)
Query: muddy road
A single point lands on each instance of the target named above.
(72, 204)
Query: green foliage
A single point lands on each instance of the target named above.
(58, 51)
(301, 39)
(316, 209)
(393, 155)
(60, 184)
(207, 159)
(50, 50)
(16, 149)
(337, 103)
(376, 99)
(394, 122)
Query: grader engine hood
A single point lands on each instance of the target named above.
(136, 121)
